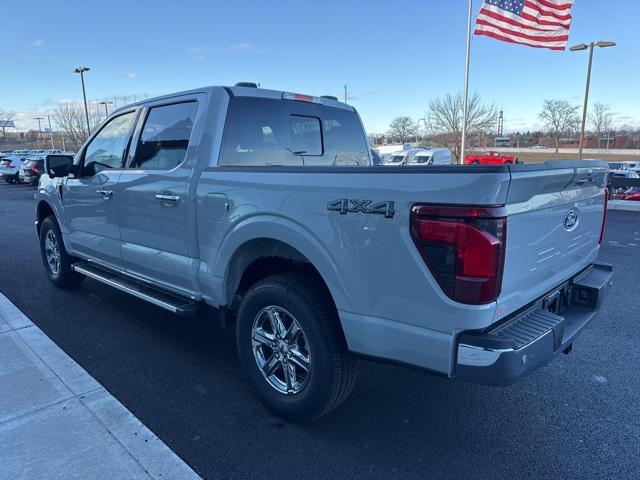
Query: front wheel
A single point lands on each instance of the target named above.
(57, 262)
(291, 347)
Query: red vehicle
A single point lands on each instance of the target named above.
(633, 194)
(491, 158)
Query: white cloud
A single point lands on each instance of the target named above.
(37, 42)
(131, 75)
(198, 53)
(239, 47)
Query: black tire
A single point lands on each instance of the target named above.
(332, 373)
(63, 276)
(475, 162)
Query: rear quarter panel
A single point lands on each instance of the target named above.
(376, 276)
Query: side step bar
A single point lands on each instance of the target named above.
(178, 305)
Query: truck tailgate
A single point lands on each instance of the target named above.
(555, 215)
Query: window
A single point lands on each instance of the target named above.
(107, 147)
(422, 160)
(165, 137)
(262, 131)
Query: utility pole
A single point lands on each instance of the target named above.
(81, 71)
(345, 93)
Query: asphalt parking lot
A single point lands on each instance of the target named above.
(576, 418)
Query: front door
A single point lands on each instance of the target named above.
(155, 207)
(89, 196)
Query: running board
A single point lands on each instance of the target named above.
(178, 305)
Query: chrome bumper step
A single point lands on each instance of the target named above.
(178, 305)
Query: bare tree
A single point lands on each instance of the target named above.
(560, 118)
(445, 118)
(402, 128)
(6, 116)
(70, 119)
(600, 119)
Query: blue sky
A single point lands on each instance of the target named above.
(394, 56)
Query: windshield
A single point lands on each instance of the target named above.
(422, 159)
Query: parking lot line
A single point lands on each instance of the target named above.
(56, 421)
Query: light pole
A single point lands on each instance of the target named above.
(39, 129)
(105, 103)
(50, 131)
(577, 48)
(81, 71)
(418, 127)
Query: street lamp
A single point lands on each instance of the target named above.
(577, 48)
(418, 127)
(81, 71)
(39, 128)
(105, 103)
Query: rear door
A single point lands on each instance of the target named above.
(155, 203)
(89, 195)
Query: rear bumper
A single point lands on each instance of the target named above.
(532, 337)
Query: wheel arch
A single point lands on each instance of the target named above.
(43, 210)
(283, 246)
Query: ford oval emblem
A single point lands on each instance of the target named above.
(571, 219)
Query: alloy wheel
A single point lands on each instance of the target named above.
(281, 350)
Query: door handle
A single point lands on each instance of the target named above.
(168, 198)
(106, 194)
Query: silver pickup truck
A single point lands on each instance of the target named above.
(266, 206)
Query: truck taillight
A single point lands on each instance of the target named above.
(604, 214)
(463, 247)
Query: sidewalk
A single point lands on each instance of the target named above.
(57, 422)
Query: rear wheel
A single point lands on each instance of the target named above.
(57, 262)
(475, 162)
(291, 347)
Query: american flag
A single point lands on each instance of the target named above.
(537, 23)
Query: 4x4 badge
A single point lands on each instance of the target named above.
(345, 205)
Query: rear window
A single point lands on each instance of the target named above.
(264, 131)
(165, 137)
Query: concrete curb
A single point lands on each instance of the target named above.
(628, 205)
(56, 421)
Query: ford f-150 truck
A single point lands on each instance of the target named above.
(491, 158)
(266, 206)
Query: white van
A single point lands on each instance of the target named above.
(430, 156)
(395, 158)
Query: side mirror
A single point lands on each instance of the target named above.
(58, 165)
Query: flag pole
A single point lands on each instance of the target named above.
(465, 108)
